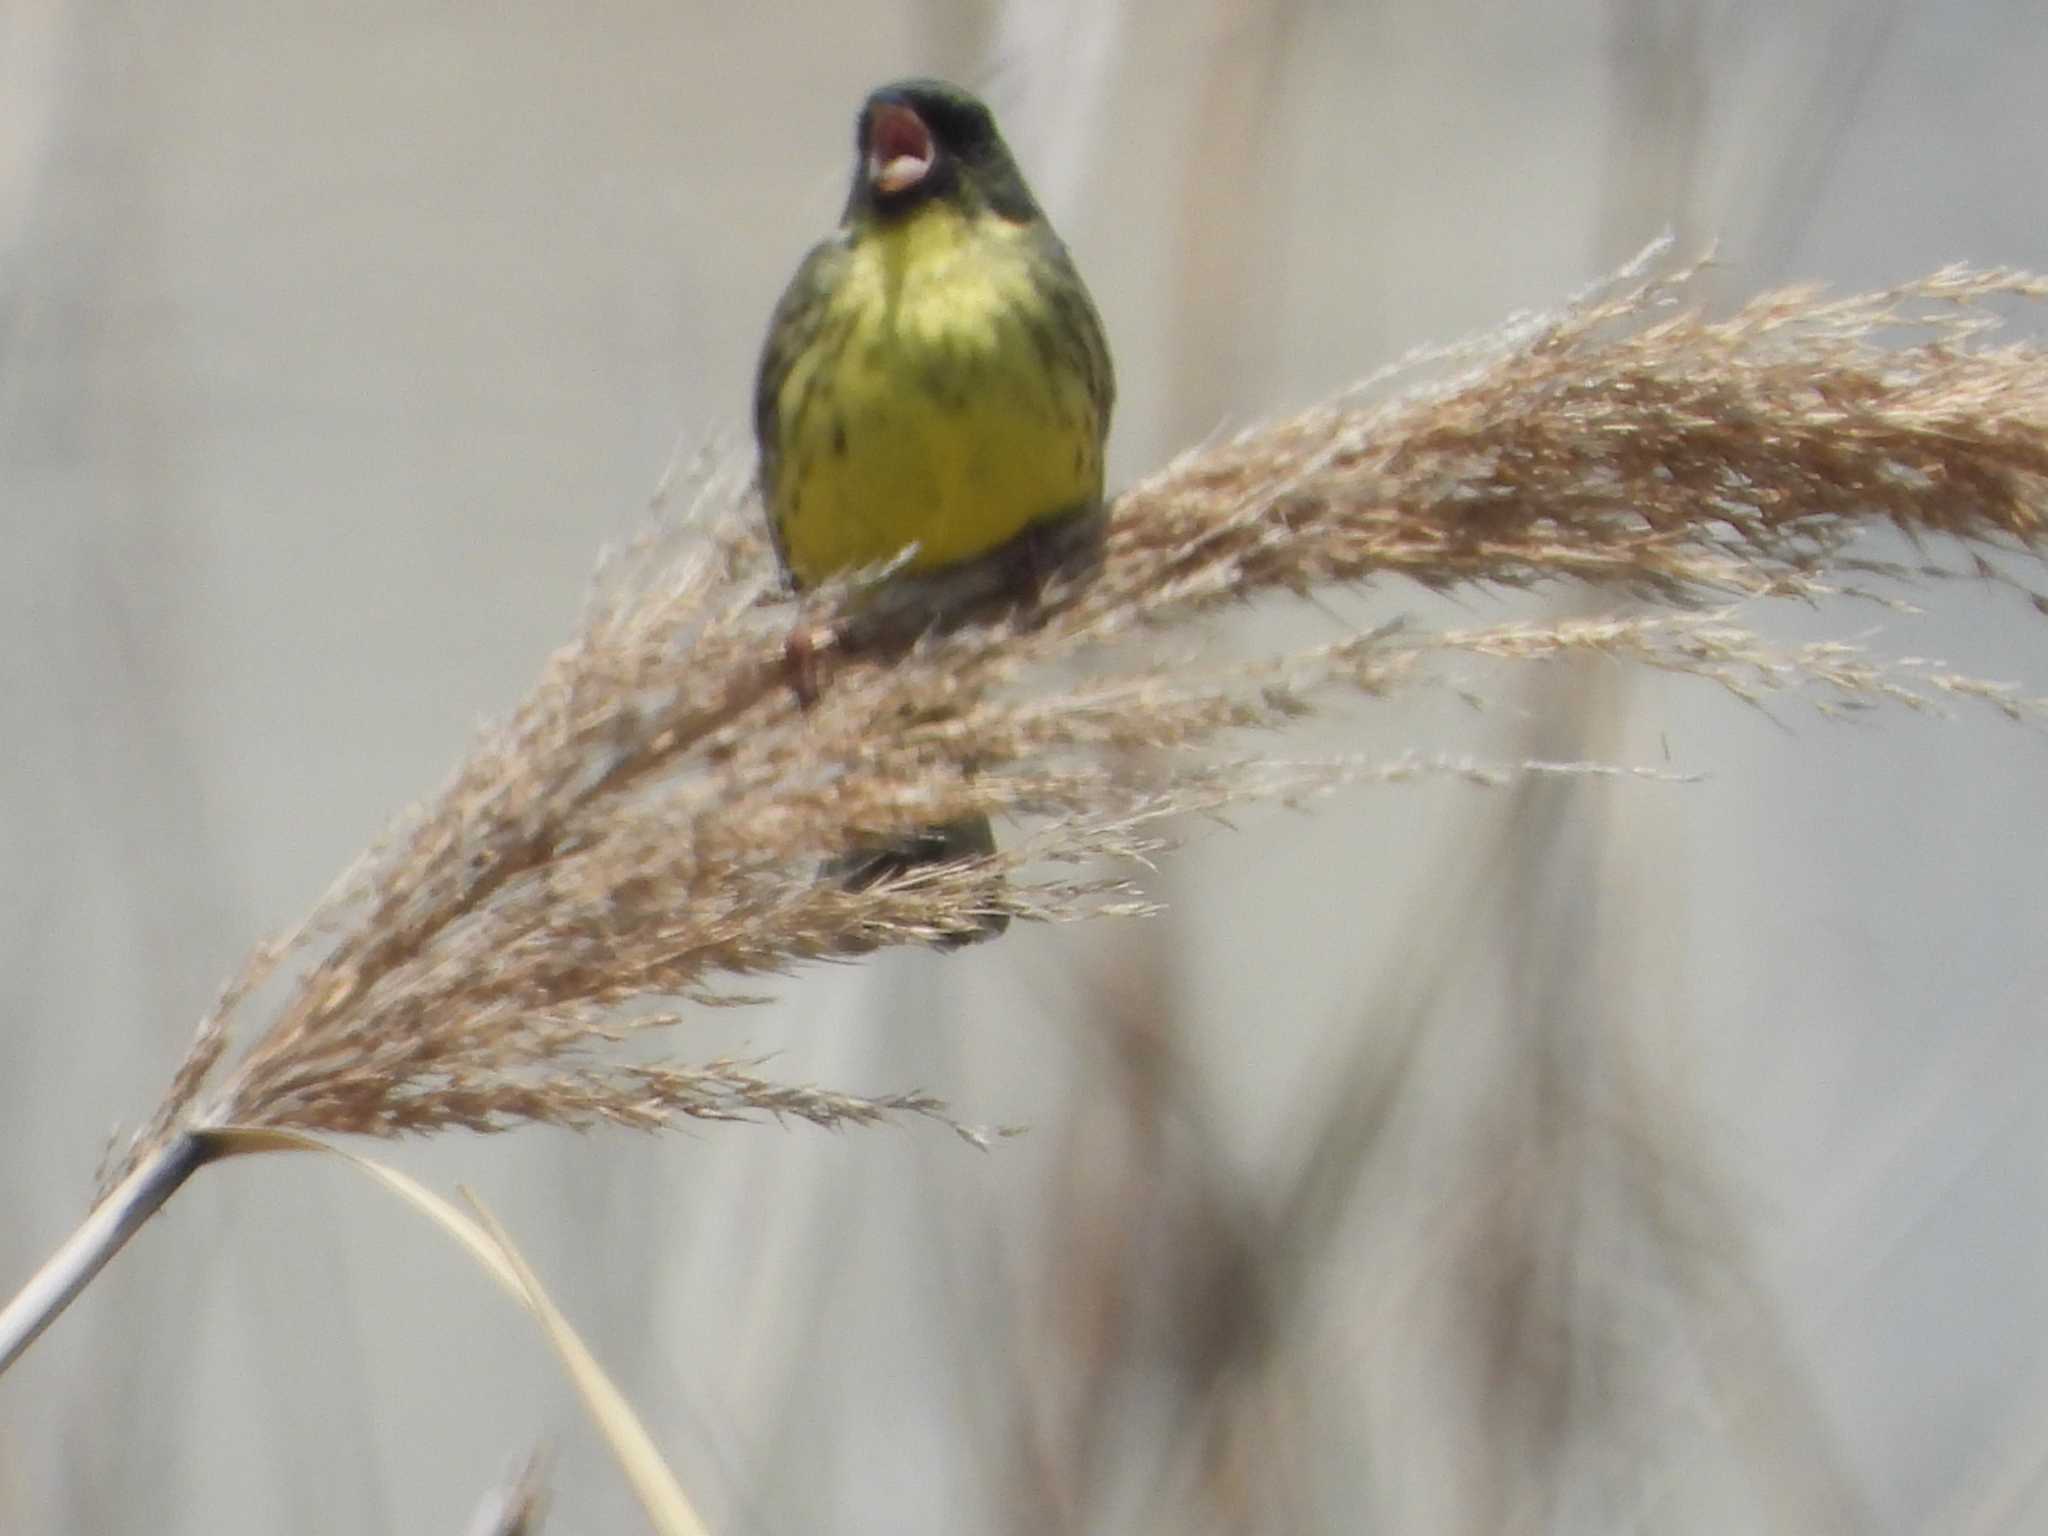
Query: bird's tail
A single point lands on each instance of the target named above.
(972, 837)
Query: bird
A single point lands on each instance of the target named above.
(934, 390)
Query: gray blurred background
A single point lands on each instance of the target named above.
(1630, 1156)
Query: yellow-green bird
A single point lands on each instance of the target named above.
(934, 376)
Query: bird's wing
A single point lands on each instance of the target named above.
(1079, 324)
(800, 317)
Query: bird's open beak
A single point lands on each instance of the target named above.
(900, 148)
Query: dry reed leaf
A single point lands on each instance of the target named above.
(649, 821)
(667, 1507)
(484, 1239)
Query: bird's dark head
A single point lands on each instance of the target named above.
(920, 141)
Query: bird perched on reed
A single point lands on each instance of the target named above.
(935, 390)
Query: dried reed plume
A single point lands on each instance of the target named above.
(649, 821)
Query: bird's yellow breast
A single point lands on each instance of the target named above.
(939, 406)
